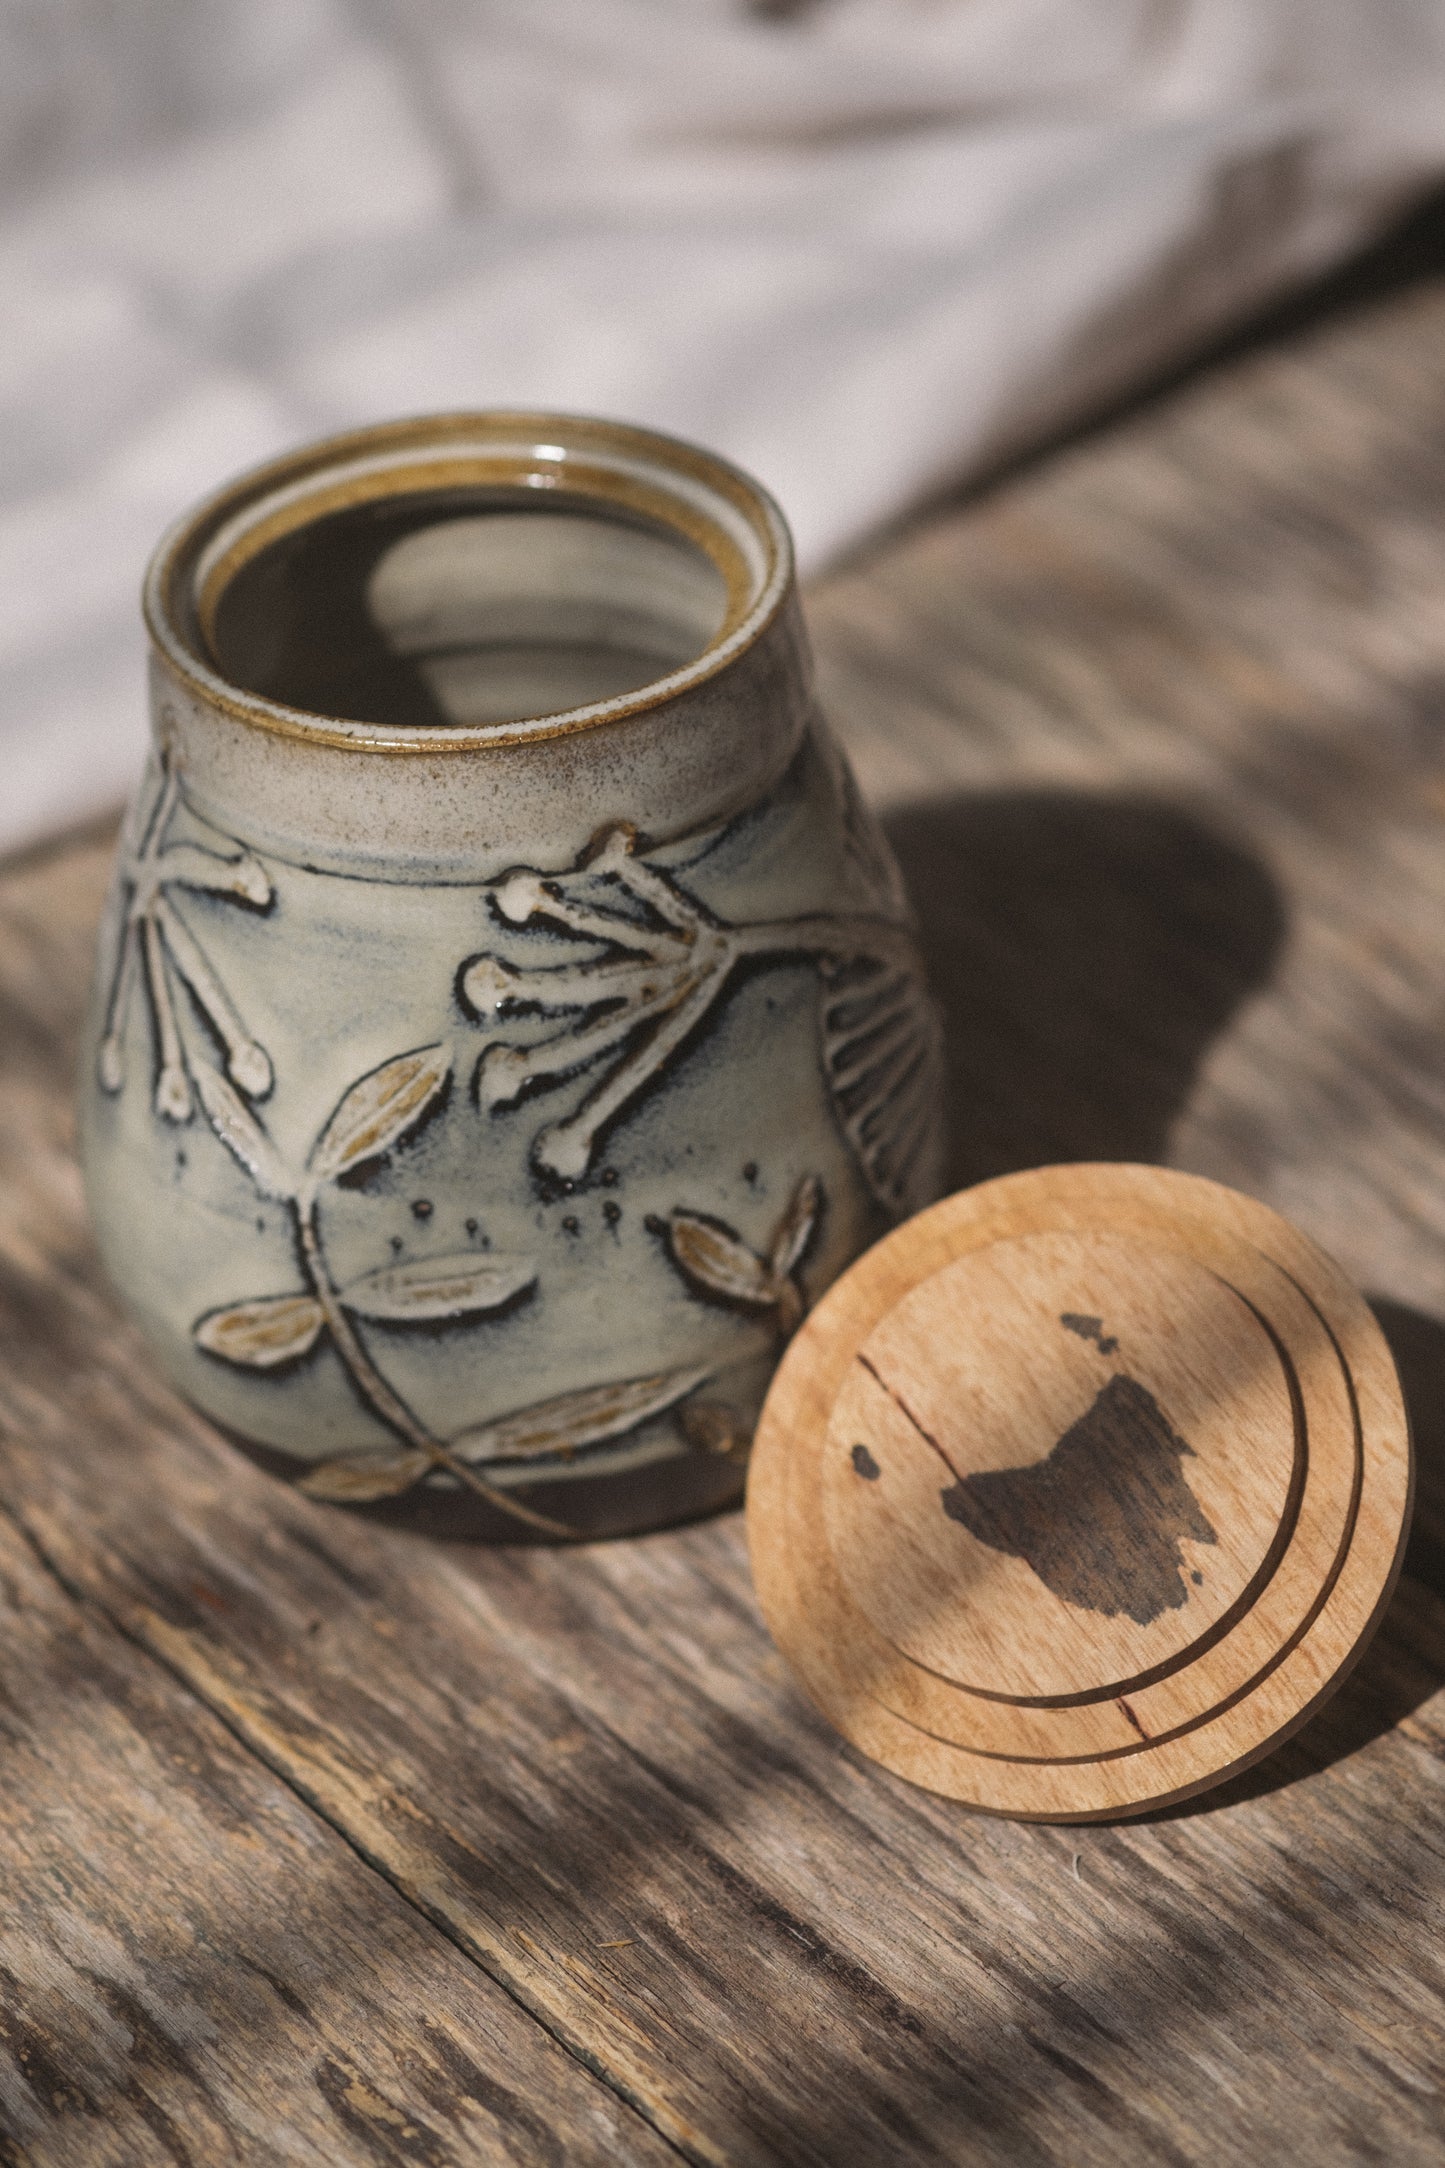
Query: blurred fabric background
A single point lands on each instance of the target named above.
(865, 247)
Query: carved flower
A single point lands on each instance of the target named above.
(658, 965)
(267, 1332)
(156, 942)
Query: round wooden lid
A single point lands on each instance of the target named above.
(1078, 1492)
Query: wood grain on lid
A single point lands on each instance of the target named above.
(987, 1410)
(1058, 1462)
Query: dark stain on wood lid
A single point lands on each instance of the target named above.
(1101, 1520)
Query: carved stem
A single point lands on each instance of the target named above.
(173, 1091)
(246, 1061)
(566, 1148)
(876, 939)
(589, 924)
(652, 888)
(587, 1042)
(111, 1059)
(162, 807)
(392, 1409)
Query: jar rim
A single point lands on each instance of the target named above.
(697, 495)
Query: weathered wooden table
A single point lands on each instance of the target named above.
(323, 1845)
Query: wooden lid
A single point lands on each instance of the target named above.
(1080, 1491)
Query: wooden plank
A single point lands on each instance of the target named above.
(194, 1967)
(548, 1753)
(1159, 731)
(552, 1754)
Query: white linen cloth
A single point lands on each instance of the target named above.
(862, 246)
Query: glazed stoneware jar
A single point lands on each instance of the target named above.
(508, 1019)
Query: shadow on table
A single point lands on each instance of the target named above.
(1417, 1343)
(1086, 951)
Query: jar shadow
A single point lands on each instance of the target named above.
(1085, 952)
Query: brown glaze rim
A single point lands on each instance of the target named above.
(179, 598)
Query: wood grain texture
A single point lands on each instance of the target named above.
(945, 1339)
(1159, 730)
(1183, 1696)
(967, 1382)
(192, 1963)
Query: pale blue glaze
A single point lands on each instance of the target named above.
(300, 908)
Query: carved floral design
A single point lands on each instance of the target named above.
(373, 1116)
(545, 1432)
(661, 963)
(714, 1258)
(652, 963)
(156, 943)
(882, 1062)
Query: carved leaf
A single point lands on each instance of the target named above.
(882, 1057)
(239, 1130)
(715, 1258)
(792, 1308)
(261, 1334)
(795, 1229)
(575, 1420)
(359, 1479)
(710, 1426)
(379, 1109)
(436, 1287)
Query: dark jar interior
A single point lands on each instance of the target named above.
(466, 606)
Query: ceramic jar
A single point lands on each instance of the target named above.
(507, 1018)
